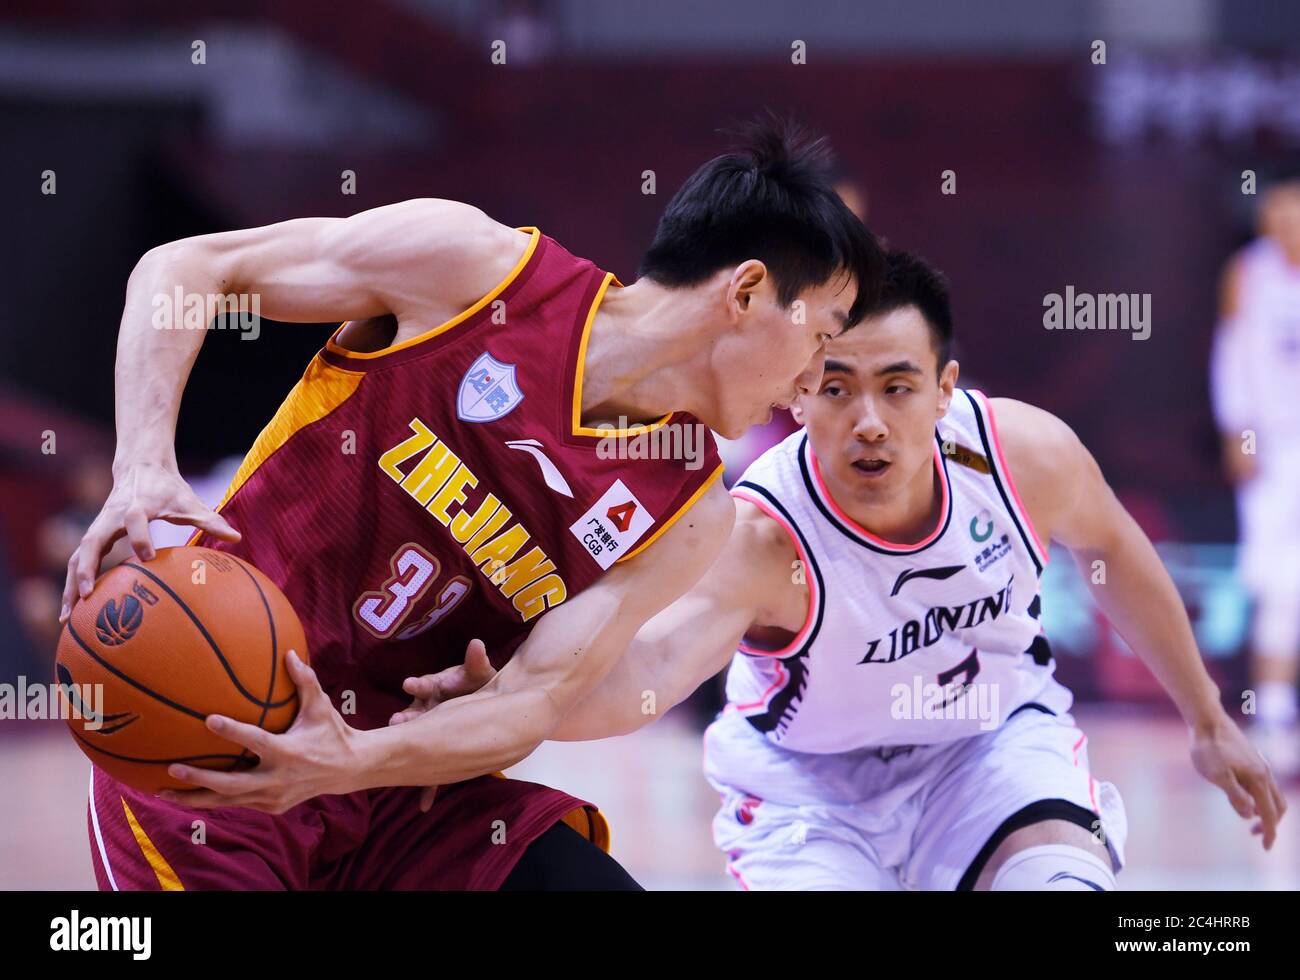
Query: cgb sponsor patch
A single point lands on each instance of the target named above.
(612, 525)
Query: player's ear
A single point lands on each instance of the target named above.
(796, 409)
(947, 384)
(746, 279)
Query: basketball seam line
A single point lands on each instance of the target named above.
(270, 619)
(198, 624)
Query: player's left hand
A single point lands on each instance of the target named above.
(1223, 754)
(432, 689)
(316, 756)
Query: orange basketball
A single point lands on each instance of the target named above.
(191, 633)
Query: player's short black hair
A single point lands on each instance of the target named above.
(912, 281)
(770, 199)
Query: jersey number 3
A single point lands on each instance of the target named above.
(414, 571)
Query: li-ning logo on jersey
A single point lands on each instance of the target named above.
(488, 391)
(550, 472)
(917, 634)
(946, 572)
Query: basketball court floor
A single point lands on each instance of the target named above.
(1182, 833)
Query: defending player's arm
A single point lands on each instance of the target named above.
(562, 661)
(752, 583)
(1070, 501)
(421, 261)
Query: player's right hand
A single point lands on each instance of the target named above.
(140, 494)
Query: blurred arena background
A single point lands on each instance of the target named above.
(1118, 177)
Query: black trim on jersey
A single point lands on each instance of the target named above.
(997, 480)
(1040, 650)
(785, 701)
(1026, 817)
(903, 552)
(780, 712)
(1031, 706)
(1036, 607)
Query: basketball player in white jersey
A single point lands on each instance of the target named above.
(1255, 374)
(893, 721)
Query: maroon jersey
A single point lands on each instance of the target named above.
(442, 489)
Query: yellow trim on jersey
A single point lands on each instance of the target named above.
(681, 510)
(578, 428)
(443, 327)
(167, 878)
(322, 388)
(591, 823)
(586, 820)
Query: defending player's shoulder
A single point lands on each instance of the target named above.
(1051, 468)
(760, 562)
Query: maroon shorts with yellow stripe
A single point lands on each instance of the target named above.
(373, 839)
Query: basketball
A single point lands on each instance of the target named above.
(158, 646)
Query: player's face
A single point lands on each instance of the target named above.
(871, 420)
(777, 352)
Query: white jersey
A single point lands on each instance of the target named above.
(1255, 371)
(903, 644)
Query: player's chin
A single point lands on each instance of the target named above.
(734, 428)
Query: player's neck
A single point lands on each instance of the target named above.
(905, 517)
(639, 364)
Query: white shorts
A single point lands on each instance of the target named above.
(908, 817)
(1268, 514)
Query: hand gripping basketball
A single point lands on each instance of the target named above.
(315, 757)
(141, 493)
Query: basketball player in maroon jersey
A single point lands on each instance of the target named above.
(472, 371)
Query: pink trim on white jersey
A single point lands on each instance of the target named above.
(945, 506)
(1044, 555)
(781, 679)
(809, 579)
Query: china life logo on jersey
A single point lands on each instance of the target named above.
(488, 391)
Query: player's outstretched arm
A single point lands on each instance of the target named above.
(1069, 501)
(567, 654)
(750, 584)
(421, 261)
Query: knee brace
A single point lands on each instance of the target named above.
(1054, 867)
